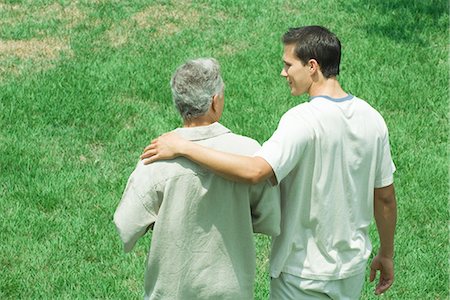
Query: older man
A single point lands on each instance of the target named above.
(202, 243)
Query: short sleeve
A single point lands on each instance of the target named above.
(136, 211)
(284, 149)
(265, 208)
(385, 166)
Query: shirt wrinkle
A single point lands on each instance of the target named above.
(174, 177)
(202, 132)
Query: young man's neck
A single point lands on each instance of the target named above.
(327, 87)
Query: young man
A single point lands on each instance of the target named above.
(202, 242)
(331, 158)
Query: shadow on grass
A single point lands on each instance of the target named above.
(405, 21)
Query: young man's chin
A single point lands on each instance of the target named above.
(295, 93)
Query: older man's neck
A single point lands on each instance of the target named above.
(197, 122)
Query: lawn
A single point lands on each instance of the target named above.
(84, 86)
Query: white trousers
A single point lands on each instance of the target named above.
(290, 287)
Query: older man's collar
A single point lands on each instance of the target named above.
(202, 132)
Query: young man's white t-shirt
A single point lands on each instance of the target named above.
(328, 155)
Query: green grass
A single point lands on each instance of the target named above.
(84, 87)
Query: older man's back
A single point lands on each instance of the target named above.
(202, 243)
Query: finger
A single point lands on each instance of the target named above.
(150, 160)
(383, 286)
(151, 146)
(149, 153)
(373, 274)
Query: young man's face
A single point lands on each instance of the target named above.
(297, 74)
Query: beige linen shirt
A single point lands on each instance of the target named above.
(202, 242)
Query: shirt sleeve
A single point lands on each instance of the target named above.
(284, 149)
(265, 208)
(385, 166)
(136, 211)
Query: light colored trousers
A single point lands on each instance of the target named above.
(290, 287)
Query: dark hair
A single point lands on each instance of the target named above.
(316, 42)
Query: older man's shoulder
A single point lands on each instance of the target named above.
(163, 170)
(240, 144)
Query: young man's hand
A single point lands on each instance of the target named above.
(167, 146)
(386, 267)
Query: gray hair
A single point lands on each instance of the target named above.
(193, 86)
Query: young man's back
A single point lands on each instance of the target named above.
(323, 153)
(202, 243)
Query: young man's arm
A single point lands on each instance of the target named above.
(385, 212)
(231, 166)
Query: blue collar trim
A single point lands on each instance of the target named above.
(346, 98)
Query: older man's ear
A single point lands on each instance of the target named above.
(216, 108)
(215, 103)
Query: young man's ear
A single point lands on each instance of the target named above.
(313, 66)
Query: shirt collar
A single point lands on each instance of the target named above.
(202, 132)
(348, 97)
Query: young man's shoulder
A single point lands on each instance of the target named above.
(299, 109)
(301, 112)
(370, 109)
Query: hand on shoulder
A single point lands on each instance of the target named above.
(166, 146)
